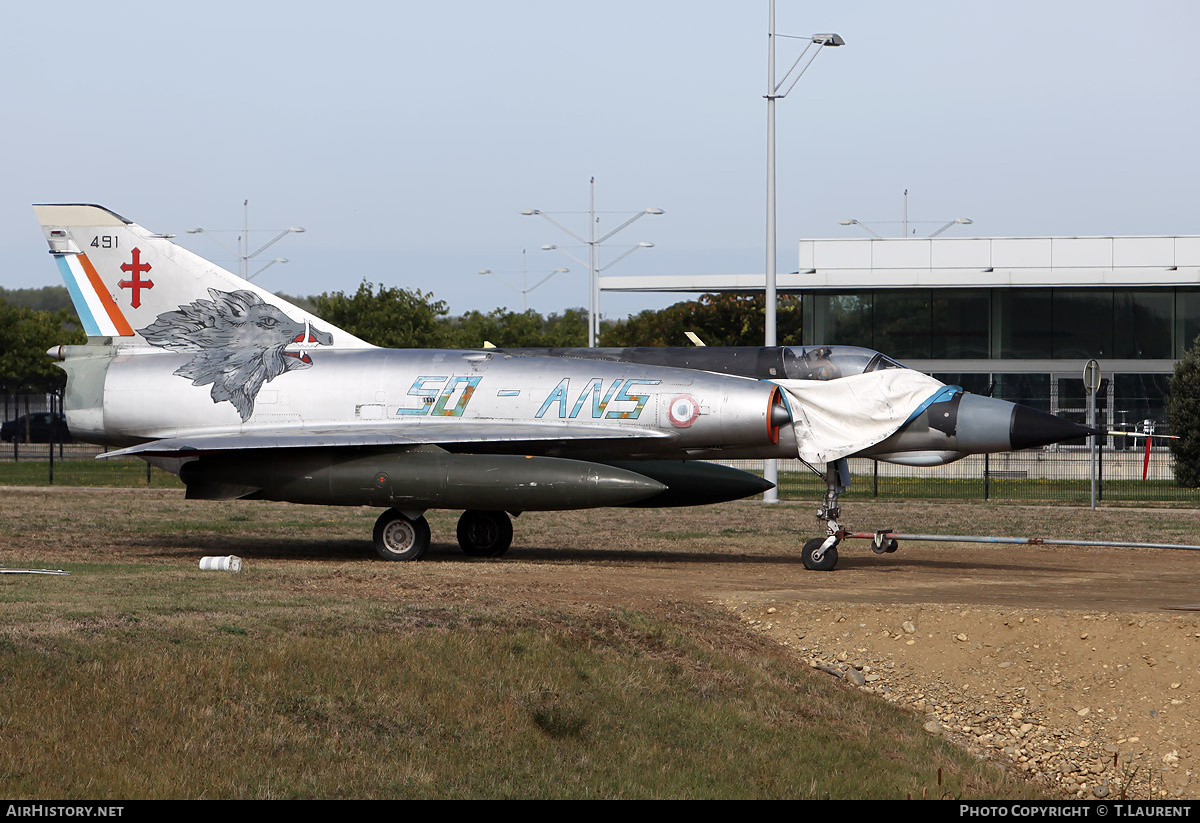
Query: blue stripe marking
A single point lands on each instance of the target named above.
(81, 307)
(942, 394)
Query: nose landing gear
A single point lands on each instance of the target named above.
(821, 553)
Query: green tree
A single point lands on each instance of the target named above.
(1183, 413)
(47, 298)
(725, 319)
(390, 317)
(25, 336)
(509, 329)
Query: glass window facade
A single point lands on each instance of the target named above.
(1031, 390)
(959, 321)
(974, 383)
(1069, 325)
(1022, 324)
(1016, 323)
(903, 326)
(845, 318)
(1138, 397)
(1143, 322)
(1187, 319)
(1081, 322)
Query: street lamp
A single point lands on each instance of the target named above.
(240, 253)
(961, 221)
(264, 268)
(957, 221)
(771, 467)
(852, 222)
(525, 288)
(593, 262)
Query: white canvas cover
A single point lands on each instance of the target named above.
(836, 418)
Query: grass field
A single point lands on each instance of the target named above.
(314, 673)
(120, 473)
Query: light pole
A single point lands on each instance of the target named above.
(525, 288)
(777, 91)
(244, 257)
(593, 262)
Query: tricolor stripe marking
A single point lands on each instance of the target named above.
(99, 313)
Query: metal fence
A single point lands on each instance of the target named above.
(1057, 473)
(1061, 473)
(75, 464)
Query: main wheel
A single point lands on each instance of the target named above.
(828, 559)
(484, 534)
(399, 538)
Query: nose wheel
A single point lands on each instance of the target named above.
(819, 557)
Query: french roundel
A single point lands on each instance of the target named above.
(683, 411)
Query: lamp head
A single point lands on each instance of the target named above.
(828, 40)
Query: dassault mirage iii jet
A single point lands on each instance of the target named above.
(244, 395)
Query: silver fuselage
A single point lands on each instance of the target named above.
(133, 398)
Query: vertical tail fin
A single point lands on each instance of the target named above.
(137, 288)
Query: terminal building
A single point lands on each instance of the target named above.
(1016, 317)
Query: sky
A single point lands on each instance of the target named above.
(407, 137)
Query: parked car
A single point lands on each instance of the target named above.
(40, 426)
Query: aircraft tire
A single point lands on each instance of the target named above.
(484, 533)
(399, 538)
(828, 559)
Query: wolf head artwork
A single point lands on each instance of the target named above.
(238, 343)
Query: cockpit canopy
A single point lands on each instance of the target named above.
(832, 362)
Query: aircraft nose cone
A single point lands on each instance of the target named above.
(780, 416)
(988, 424)
(1030, 428)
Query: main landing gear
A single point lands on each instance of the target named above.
(403, 535)
(821, 554)
(484, 534)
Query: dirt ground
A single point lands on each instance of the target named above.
(1075, 665)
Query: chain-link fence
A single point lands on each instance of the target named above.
(1061, 473)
